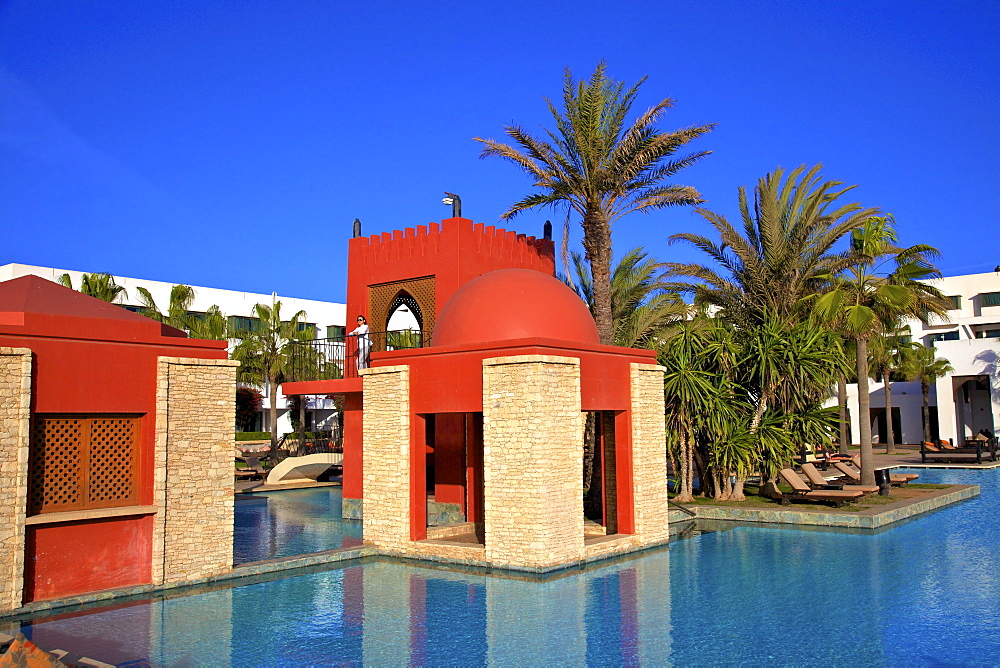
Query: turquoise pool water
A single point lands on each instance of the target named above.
(922, 593)
(289, 523)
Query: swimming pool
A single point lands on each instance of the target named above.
(921, 593)
(290, 522)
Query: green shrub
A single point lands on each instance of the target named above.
(309, 434)
(253, 436)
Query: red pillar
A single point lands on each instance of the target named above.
(418, 477)
(353, 446)
(474, 467)
(623, 472)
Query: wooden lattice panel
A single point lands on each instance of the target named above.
(55, 470)
(112, 462)
(382, 296)
(79, 463)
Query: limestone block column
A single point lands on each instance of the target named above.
(532, 460)
(193, 469)
(386, 519)
(649, 453)
(15, 420)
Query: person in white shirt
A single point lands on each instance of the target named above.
(364, 342)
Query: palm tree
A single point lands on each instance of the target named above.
(692, 393)
(212, 325)
(769, 267)
(100, 286)
(884, 357)
(181, 298)
(601, 168)
(862, 300)
(641, 307)
(264, 353)
(788, 369)
(920, 363)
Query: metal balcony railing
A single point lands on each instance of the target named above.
(342, 356)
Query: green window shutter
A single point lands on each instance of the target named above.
(990, 298)
(956, 302)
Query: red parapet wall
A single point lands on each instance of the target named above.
(454, 252)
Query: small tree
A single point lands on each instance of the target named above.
(248, 402)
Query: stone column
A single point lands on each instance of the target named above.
(387, 448)
(649, 454)
(532, 460)
(15, 420)
(193, 469)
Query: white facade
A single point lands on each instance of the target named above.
(324, 315)
(968, 399)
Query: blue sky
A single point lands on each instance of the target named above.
(231, 144)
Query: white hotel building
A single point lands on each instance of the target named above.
(965, 401)
(327, 317)
(961, 404)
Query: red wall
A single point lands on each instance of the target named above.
(74, 557)
(115, 376)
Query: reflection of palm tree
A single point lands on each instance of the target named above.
(100, 286)
(601, 168)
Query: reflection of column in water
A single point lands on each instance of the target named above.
(188, 617)
(386, 615)
(645, 589)
(528, 623)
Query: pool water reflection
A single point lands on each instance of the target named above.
(921, 593)
(289, 523)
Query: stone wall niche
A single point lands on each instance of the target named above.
(533, 458)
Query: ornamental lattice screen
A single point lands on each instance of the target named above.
(382, 296)
(78, 463)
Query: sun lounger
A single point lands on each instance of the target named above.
(975, 450)
(853, 475)
(253, 469)
(817, 481)
(896, 479)
(800, 490)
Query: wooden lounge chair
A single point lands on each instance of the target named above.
(975, 449)
(800, 490)
(817, 481)
(253, 469)
(895, 479)
(853, 475)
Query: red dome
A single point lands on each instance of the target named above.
(511, 304)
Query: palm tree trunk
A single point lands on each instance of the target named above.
(737, 493)
(925, 391)
(597, 244)
(842, 400)
(684, 494)
(272, 414)
(890, 442)
(864, 415)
